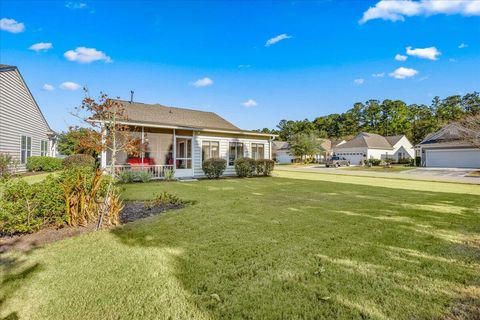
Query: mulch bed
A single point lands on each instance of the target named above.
(133, 210)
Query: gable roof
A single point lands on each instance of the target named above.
(280, 145)
(366, 140)
(394, 139)
(451, 133)
(6, 68)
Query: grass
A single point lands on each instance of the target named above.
(266, 248)
(379, 168)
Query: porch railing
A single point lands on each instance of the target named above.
(157, 171)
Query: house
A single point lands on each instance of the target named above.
(366, 146)
(24, 132)
(181, 139)
(450, 147)
(281, 151)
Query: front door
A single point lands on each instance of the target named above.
(183, 157)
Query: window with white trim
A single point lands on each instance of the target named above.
(43, 148)
(235, 151)
(258, 151)
(210, 149)
(25, 149)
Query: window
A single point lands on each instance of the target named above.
(235, 152)
(184, 153)
(210, 149)
(258, 151)
(43, 148)
(26, 149)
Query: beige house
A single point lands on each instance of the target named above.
(181, 139)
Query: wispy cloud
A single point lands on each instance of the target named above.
(430, 53)
(378, 75)
(403, 73)
(462, 45)
(41, 46)
(250, 103)
(11, 25)
(86, 55)
(244, 66)
(400, 57)
(75, 5)
(359, 81)
(452, 60)
(277, 39)
(48, 87)
(72, 86)
(397, 10)
(203, 82)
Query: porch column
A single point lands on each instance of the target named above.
(103, 156)
(174, 149)
(142, 150)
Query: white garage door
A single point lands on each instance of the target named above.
(467, 158)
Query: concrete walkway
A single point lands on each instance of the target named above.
(422, 174)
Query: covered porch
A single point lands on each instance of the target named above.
(163, 151)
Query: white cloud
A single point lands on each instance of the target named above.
(359, 81)
(402, 73)
(276, 39)
(244, 66)
(400, 57)
(430, 53)
(397, 10)
(70, 86)
(204, 82)
(378, 75)
(41, 46)
(11, 25)
(76, 5)
(86, 55)
(250, 103)
(462, 45)
(48, 87)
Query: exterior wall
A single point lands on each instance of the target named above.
(283, 157)
(20, 115)
(451, 155)
(403, 145)
(379, 153)
(223, 152)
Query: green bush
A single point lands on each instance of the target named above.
(245, 167)
(48, 164)
(5, 166)
(214, 167)
(405, 161)
(127, 176)
(169, 174)
(79, 160)
(418, 161)
(264, 166)
(373, 162)
(144, 175)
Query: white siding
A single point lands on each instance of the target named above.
(19, 115)
(224, 144)
(403, 145)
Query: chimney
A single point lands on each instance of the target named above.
(131, 96)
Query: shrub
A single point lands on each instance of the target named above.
(264, 166)
(5, 166)
(79, 160)
(245, 167)
(169, 174)
(373, 162)
(48, 164)
(144, 175)
(127, 176)
(418, 161)
(166, 199)
(405, 161)
(214, 167)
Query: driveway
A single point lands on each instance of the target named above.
(428, 174)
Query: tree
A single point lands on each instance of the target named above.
(74, 141)
(304, 144)
(472, 136)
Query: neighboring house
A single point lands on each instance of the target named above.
(24, 132)
(366, 146)
(181, 139)
(450, 147)
(281, 151)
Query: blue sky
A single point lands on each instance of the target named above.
(215, 56)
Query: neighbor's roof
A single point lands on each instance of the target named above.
(6, 66)
(160, 115)
(451, 133)
(280, 145)
(366, 140)
(394, 139)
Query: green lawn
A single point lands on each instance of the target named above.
(399, 168)
(267, 248)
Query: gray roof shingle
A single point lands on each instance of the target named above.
(367, 140)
